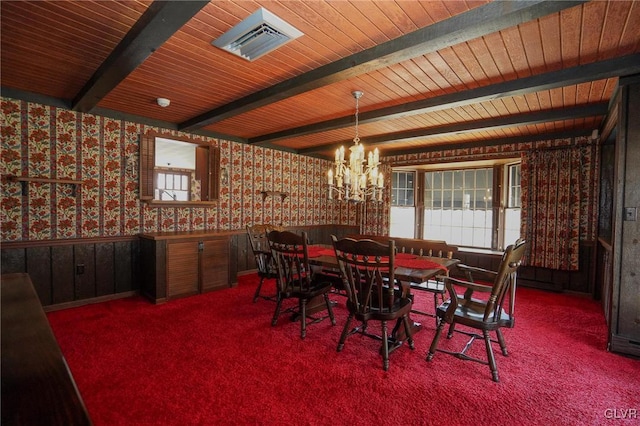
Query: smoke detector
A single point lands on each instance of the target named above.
(163, 102)
(259, 34)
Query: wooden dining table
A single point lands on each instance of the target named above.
(411, 270)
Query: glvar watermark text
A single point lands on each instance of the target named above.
(621, 413)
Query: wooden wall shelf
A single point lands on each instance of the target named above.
(282, 195)
(24, 180)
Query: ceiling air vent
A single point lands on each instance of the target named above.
(257, 35)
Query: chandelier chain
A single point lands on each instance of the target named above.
(356, 139)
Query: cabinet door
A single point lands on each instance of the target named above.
(182, 269)
(215, 264)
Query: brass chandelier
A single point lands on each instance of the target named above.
(359, 179)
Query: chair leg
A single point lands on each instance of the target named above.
(434, 342)
(329, 309)
(257, 293)
(503, 345)
(303, 318)
(491, 358)
(407, 327)
(345, 333)
(274, 321)
(435, 308)
(385, 347)
(452, 328)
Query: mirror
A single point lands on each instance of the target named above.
(178, 171)
(175, 171)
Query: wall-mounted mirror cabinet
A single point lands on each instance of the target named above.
(178, 171)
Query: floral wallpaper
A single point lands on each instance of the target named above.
(51, 142)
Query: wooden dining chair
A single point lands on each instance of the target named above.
(367, 270)
(435, 285)
(478, 313)
(257, 235)
(295, 278)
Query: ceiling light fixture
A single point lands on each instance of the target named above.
(163, 102)
(257, 35)
(360, 179)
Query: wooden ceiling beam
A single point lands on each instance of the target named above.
(491, 142)
(597, 109)
(159, 22)
(617, 67)
(475, 23)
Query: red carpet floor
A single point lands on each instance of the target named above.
(214, 359)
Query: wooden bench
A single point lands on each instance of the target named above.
(37, 386)
(420, 247)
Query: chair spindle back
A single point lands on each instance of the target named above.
(367, 268)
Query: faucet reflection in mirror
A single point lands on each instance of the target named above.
(359, 180)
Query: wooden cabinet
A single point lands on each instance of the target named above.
(178, 264)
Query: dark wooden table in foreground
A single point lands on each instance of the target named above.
(37, 386)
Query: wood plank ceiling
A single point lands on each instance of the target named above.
(433, 73)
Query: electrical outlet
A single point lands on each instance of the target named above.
(630, 214)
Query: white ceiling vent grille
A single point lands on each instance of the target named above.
(257, 35)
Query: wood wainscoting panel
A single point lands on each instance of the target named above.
(124, 265)
(105, 269)
(84, 263)
(38, 266)
(62, 274)
(73, 271)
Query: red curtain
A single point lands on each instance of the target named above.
(552, 201)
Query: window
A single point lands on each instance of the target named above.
(173, 185)
(178, 170)
(512, 210)
(402, 205)
(402, 189)
(458, 207)
(471, 204)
